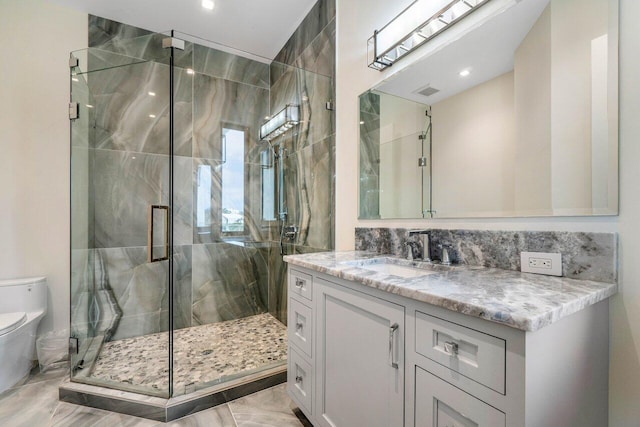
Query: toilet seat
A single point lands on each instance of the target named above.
(11, 321)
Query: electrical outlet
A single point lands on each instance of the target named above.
(541, 263)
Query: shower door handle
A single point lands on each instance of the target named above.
(150, 228)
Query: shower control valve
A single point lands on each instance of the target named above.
(290, 232)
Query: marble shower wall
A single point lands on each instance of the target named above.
(303, 73)
(587, 256)
(229, 282)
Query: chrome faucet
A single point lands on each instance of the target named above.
(409, 246)
(445, 257)
(425, 240)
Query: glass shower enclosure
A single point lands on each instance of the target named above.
(175, 216)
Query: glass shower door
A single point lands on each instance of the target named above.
(121, 194)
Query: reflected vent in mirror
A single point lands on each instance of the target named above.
(428, 91)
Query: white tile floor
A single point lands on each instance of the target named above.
(35, 404)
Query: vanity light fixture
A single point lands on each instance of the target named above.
(280, 123)
(421, 21)
(207, 4)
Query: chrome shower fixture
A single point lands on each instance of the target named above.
(280, 123)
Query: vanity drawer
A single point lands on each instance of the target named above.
(299, 380)
(476, 355)
(300, 284)
(300, 328)
(439, 404)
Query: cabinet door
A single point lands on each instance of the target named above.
(360, 358)
(439, 404)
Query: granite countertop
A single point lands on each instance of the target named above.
(520, 300)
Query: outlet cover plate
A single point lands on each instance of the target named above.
(541, 263)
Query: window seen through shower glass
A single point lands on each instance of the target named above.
(233, 142)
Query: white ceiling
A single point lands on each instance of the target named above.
(488, 51)
(260, 27)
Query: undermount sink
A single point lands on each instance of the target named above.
(392, 267)
(397, 270)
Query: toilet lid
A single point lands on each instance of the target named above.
(11, 321)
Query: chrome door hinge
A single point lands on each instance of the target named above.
(422, 162)
(329, 105)
(74, 110)
(73, 61)
(172, 42)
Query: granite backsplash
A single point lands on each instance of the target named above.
(587, 256)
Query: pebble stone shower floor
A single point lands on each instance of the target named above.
(202, 354)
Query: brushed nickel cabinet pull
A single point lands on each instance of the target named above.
(451, 348)
(392, 335)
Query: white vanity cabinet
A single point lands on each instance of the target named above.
(372, 358)
(360, 358)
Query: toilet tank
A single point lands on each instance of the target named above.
(28, 295)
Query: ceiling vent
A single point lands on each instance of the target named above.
(428, 91)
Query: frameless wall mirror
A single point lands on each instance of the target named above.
(516, 117)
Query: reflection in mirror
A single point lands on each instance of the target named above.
(395, 153)
(524, 120)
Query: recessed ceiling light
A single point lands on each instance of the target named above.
(207, 4)
(465, 73)
(152, 94)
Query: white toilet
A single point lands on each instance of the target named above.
(23, 302)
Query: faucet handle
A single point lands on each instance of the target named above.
(410, 247)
